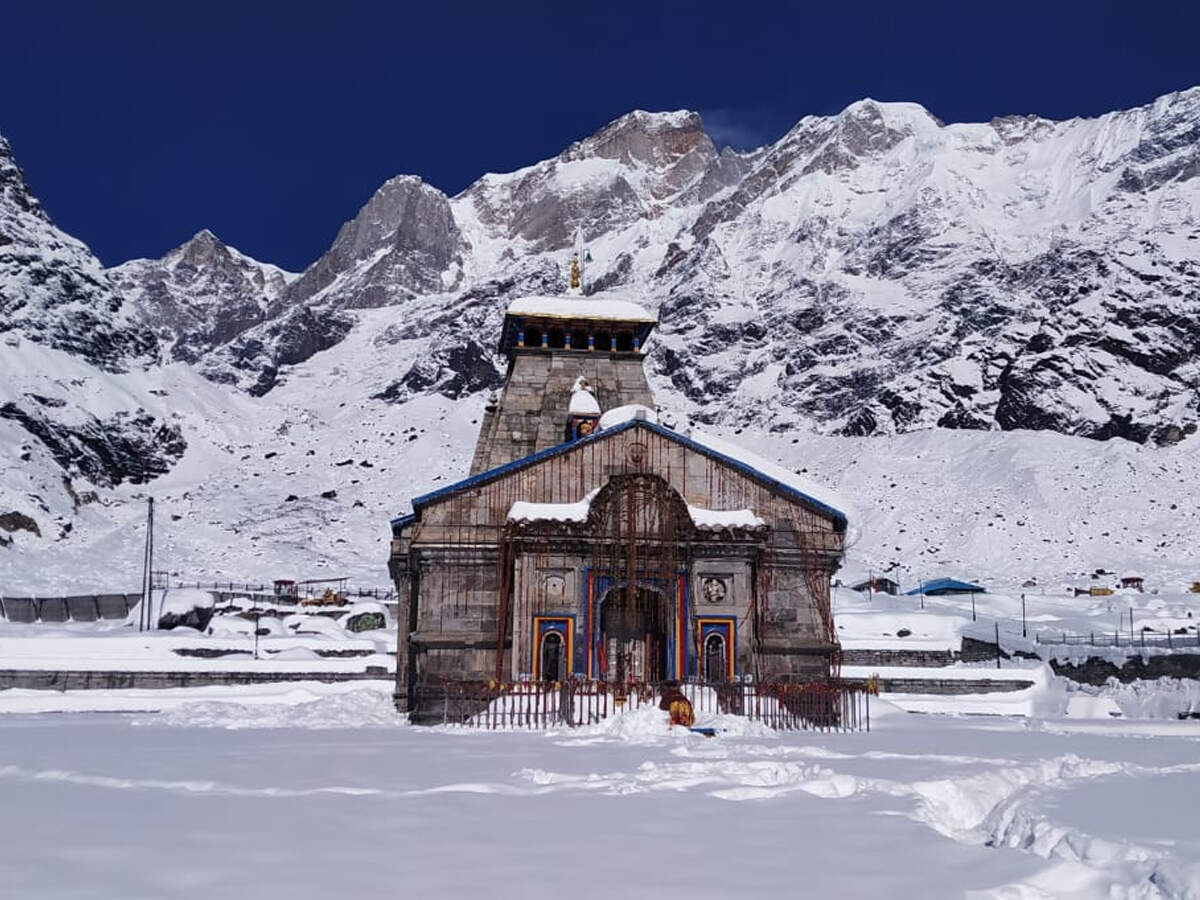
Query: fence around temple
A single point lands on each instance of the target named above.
(783, 706)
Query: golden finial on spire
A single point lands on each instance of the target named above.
(574, 273)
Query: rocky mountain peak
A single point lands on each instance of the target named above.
(14, 191)
(403, 242)
(201, 294)
(658, 140)
(53, 291)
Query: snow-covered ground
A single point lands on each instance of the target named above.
(322, 792)
(940, 622)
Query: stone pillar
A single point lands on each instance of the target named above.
(406, 585)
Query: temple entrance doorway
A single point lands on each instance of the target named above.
(715, 666)
(633, 636)
(553, 660)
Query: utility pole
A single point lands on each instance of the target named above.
(1024, 628)
(973, 619)
(146, 619)
(997, 624)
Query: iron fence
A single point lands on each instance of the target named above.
(78, 608)
(1137, 640)
(783, 706)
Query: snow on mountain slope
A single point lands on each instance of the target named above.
(251, 497)
(884, 273)
(303, 480)
(874, 273)
(76, 411)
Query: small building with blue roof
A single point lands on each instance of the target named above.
(942, 586)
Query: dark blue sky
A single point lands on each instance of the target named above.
(139, 124)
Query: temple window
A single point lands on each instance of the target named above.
(557, 339)
(624, 342)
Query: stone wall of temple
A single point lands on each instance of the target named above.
(531, 414)
(452, 556)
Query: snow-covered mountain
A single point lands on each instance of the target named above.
(202, 294)
(871, 273)
(72, 347)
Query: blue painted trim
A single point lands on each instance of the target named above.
(710, 624)
(517, 464)
(400, 521)
(554, 624)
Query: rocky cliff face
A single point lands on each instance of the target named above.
(202, 294)
(53, 290)
(73, 357)
(402, 244)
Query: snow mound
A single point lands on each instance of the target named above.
(311, 623)
(367, 707)
(619, 415)
(650, 725)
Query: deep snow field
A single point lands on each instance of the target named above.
(321, 792)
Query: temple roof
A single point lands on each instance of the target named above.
(580, 308)
(775, 476)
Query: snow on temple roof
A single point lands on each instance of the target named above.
(580, 308)
(524, 511)
(724, 518)
(619, 415)
(707, 519)
(808, 487)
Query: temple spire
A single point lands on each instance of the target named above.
(578, 258)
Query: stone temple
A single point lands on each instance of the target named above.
(590, 541)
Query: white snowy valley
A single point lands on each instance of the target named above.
(982, 338)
